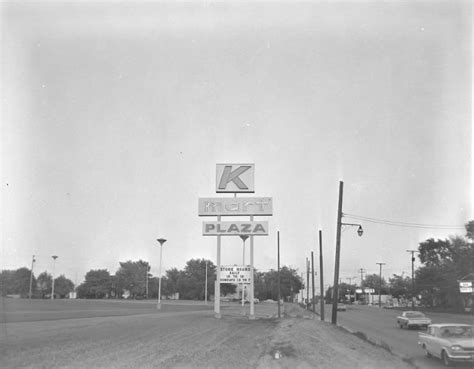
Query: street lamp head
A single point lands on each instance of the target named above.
(161, 241)
(360, 231)
(54, 257)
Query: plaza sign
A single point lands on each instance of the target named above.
(235, 206)
(235, 274)
(235, 178)
(235, 228)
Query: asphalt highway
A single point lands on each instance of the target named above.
(380, 326)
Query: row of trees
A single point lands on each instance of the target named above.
(398, 286)
(443, 264)
(17, 282)
(133, 278)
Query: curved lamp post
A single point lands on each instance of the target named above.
(360, 232)
(161, 241)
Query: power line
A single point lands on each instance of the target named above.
(401, 224)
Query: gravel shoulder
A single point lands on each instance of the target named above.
(303, 341)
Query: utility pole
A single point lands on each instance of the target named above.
(312, 277)
(380, 284)
(31, 275)
(350, 293)
(335, 288)
(307, 284)
(412, 278)
(321, 282)
(362, 271)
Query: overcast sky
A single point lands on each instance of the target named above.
(114, 116)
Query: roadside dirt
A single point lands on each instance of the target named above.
(303, 341)
(179, 339)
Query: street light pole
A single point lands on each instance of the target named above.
(360, 231)
(31, 275)
(380, 284)
(412, 278)
(52, 286)
(161, 241)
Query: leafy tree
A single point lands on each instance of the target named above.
(436, 286)
(226, 288)
(62, 286)
(16, 282)
(470, 230)
(131, 276)
(6, 282)
(191, 283)
(21, 281)
(444, 263)
(170, 283)
(97, 285)
(373, 281)
(344, 289)
(266, 284)
(400, 286)
(435, 252)
(44, 284)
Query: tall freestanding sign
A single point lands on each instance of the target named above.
(235, 178)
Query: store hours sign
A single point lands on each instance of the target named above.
(235, 274)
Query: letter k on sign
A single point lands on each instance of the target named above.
(235, 178)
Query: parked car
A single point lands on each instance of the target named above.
(255, 301)
(410, 319)
(451, 343)
(341, 307)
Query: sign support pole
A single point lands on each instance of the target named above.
(217, 287)
(278, 242)
(252, 293)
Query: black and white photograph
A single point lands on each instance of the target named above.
(236, 184)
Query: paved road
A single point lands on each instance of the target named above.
(103, 334)
(380, 326)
